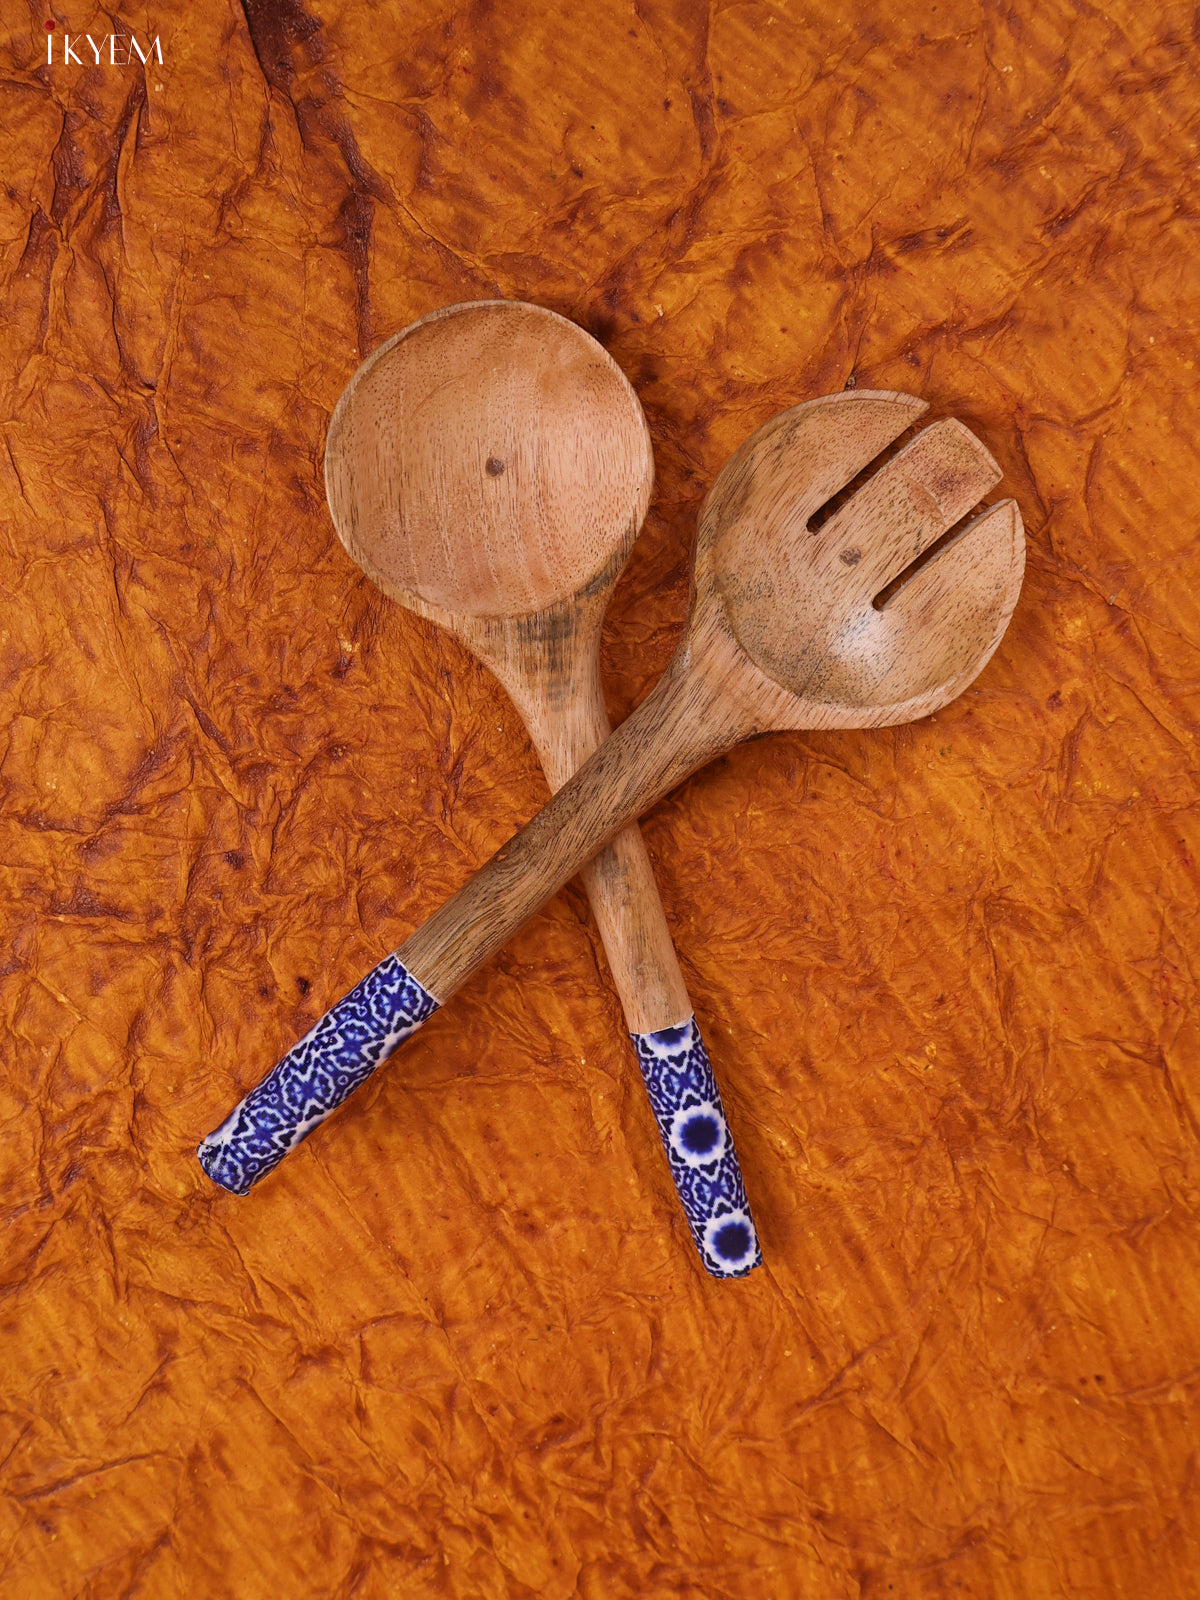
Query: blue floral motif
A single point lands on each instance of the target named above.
(316, 1076)
(691, 1121)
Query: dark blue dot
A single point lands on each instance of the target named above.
(700, 1135)
(732, 1242)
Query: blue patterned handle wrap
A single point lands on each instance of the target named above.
(315, 1076)
(691, 1120)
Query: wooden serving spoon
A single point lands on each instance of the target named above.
(489, 467)
(882, 616)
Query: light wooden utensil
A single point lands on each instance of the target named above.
(881, 616)
(489, 467)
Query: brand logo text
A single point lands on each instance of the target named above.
(122, 48)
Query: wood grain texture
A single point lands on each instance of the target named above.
(949, 968)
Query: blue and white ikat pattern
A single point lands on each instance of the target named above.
(315, 1076)
(691, 1120)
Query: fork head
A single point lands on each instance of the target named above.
(886, 609)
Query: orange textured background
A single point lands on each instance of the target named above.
(459, 1345)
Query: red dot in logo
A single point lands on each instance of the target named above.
(50, 27)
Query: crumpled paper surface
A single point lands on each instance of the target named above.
(459, 1345)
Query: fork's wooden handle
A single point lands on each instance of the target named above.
(674, 731)
(316, 1076)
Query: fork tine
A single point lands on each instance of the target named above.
(816, 449)
(952, 613)
(936, 632)
(910, 502)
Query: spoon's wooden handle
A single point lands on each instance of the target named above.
(674, 731)
(680, 1083)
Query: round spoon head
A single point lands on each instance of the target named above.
(491, 460)
(886, 609)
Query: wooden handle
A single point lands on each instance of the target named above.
(680, 1083)
(633, 929)
(354, 1037)
(619, 880)
(667, 737)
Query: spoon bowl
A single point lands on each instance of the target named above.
(489, 461)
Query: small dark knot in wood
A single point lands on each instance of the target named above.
(494, 466)
(851, 557)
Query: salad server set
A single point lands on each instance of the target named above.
(489, 467)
